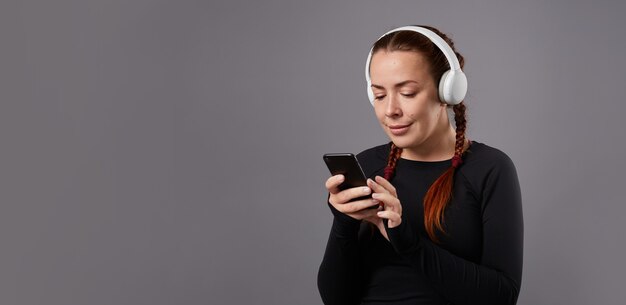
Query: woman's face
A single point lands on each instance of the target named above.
(406, 100)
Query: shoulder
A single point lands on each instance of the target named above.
(483, 156)
(483, 165)
(374, 159)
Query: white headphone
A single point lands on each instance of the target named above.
(453, 83)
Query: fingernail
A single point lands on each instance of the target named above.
(375, 201)
(379, 213)
(340, 178)
(375, 195)
(366, 190)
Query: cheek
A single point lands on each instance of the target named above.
(419, 115)
(379, 114)
(424, 117)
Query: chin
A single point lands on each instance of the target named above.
(400, 142)
(405, 141)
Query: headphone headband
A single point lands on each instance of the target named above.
(453, 84)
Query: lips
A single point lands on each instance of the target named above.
(398, 129)
(398, 126)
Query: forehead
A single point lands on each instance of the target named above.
(388, 68)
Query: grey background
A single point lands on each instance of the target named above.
(169, 152)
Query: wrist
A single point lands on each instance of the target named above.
(346, 228)
(402, 237)
(344, 225)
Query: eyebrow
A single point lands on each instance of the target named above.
(396, 85)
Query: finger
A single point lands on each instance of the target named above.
(373, 218)
(352, 193)
(377, 188)
(355, 206)
(386, 184)
(365, 213)
(390, 202)
(390, 215)
(332, 183)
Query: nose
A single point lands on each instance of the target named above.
(393, 106)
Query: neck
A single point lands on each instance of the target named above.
(438, 147)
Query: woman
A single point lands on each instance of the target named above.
(449, 227)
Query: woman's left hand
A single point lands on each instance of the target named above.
(383, 191)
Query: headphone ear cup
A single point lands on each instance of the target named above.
(442, 87)
(452, 87)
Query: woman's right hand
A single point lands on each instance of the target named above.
(341, 199)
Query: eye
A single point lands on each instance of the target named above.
(409, 94)
(380, 97)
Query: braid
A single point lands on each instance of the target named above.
(394, 154)
(461, 122)
(440, 191)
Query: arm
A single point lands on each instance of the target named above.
(339, 276)
(497, 278)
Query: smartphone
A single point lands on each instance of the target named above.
(347, 165)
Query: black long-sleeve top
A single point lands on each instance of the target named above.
(478, 259)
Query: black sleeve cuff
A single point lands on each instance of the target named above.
(402, 237)
(344, 225)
